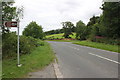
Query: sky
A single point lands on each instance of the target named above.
(51, 13)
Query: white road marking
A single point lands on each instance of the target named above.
(74, 48)
(99, 49)
(57, 71)
(104, 58)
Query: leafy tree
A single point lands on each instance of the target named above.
(94, 26)
(8, 14)
(67, 27)
(81, 30)
(34, 30)
(93, 20)
(111, 18)
(95, 31)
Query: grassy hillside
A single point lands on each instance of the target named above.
(59, 36)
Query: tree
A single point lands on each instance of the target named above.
(81, 30)
(8, 14)
(93, 20)
(34, 30)
(67, 27)
(111, 18)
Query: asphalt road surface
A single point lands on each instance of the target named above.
(77, 61)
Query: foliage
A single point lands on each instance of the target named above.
(27, 44)
(68, 28)
(95, 31)
(93, 20)
(111, 19)
(9, 45)
(34, 30)
(8, 13)
(103, 46)
(9, 48)
(107, 41)
(81, 30)
(39, 58)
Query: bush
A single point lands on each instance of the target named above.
(9, 46)
(108, 41)
(27, 44)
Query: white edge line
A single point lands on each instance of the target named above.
(105, 58)
(57, 71)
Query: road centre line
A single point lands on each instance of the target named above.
(104, 58)
(98, 49)
(100, 57)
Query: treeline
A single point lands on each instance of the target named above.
(104, 28)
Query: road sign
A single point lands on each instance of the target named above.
(14, 24)
(11, 24)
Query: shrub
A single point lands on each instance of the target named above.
(9, 46)
(27, 44)
(108, 41)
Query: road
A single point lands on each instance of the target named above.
(77, 61)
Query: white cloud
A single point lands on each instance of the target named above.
(50, 13)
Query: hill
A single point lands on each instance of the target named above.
(59, 36)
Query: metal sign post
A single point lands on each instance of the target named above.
(18, 54)
(15, 24)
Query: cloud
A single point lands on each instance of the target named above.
(50, 13)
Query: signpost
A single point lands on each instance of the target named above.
(11, 24)
(14, 24)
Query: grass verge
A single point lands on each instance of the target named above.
(103, 46)
(37, 60)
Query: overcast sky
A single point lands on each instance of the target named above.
(50, 13)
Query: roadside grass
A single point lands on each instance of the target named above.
(0, 69)
(37, 60)
(59, 36)
(103, 46)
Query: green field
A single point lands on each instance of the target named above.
(59, 36)
(37, 60)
